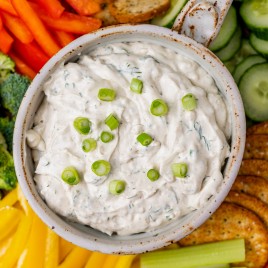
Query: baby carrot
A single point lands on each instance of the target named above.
(53, 7)
(1, 22)
(68, 22)
(17, 27)
(84, 7)
(7, 6)
(64, 38)
(6, 41)
(39, 31)
(22, 67)
(31, 54)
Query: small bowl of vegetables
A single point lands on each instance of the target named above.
(135, 135)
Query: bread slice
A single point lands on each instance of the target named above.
(106, 17)
(134, 11)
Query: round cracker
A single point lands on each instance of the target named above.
(256, 147)
(231, 221)
(255, 186)
(250, 202)
(261, 128)
(254, 167)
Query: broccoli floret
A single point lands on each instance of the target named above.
(3, 141)
(8, 179)
(12, 91)
(7, 128)
(7, 66)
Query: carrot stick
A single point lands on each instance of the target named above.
(6, 41)
(84, 7)
(69, 22)
(16, 26)
(53, 7)
(64, 38)
(1, 22)
(22, 67)
(7, 6)
(31, 54)
(39, 31)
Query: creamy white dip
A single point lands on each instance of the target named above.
(198, 138)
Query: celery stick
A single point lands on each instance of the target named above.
(226, 265)
(228, 251)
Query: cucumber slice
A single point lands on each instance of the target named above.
(255, 15)
(226, 32)
(254, 91)
(245, 51)
(245, 64)
(259, 45)
(168, 19)
(233, 46)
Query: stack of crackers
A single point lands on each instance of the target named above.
(244, 214)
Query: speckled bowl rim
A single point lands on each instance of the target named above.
(92, 239)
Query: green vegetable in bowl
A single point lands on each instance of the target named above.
(12, 91)
(82, 125)
(117, 187)
(188, 102)
(70, 176)
(179, 170)
(7, 66)
(8, 179)
(101, 167)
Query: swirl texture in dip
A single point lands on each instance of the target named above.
(198, 138)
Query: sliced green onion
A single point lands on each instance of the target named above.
(112, 122)
(158, 108)
(70, 175)
(106, 94)
(136, 85)
(101, 167)
(188, 102)
(228, 251)
(106, 136)
(144, 139)
(89, 145)
(82, 125)
(153, 174)
(179, 169)
(117, 187)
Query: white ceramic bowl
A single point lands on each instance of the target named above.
(85, 236)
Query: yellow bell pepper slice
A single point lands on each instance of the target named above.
(136, 262)
(10, 218)
(5, 244)
(18, 243)
(24, 203)
(110, 261)
(124, 261)
(51, 249)
(35, 249)
(96, 259)
(76, 258)
(65, 248)
(10, 199)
